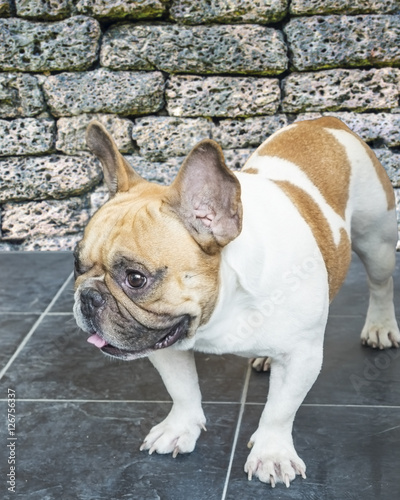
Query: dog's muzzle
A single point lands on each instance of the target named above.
(143, 339)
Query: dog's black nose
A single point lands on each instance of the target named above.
(91, 300)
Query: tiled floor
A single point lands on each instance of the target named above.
(81, 417)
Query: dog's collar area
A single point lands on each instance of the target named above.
(170, 337)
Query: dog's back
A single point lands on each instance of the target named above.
(344, 194)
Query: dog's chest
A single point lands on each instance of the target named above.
(273, 279)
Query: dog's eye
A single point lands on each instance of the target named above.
(135, 279)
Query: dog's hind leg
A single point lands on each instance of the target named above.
(374, 241)
(261, 364)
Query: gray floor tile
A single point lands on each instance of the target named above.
(350, 453)
(58, 363)
(29, 280)
(90, 451)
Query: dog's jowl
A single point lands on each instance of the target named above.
(244, 263)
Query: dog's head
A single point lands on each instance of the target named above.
(146, 270)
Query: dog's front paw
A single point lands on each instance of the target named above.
(274, 463)
(175, 434)
(381, 334)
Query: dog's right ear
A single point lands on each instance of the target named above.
(118, 174)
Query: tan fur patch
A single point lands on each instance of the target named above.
(383, 178)
(250, 170)
(324, 160)
(337, 257)
(334, 123)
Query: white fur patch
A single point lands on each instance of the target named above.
(278, 169)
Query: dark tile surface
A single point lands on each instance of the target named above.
(58, 363)
(65, 301)
(81, 417)
(13, 329)
(350, 454)
(91, 451)
(29, 282)
(351, 373)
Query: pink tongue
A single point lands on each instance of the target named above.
(97, 341)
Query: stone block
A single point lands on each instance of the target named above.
(43, 9)
(165, 172)
(71, 132)
(248, 133)
(343, 41)
(378, 128)
(391, 161)
(236, 158)
(341, 89)
(310, 116)
(162, 137)
(98, 197)
(104, 91)
(71, 44)
(160, 172)
(48, 219)
(234, 11)
(154, 171)
(222, 96)
(307, 7)
(120, 9)
(20, 95)
(26, 136)
(5, 8)
(246, 49)
(382, 128)
(56, 244)
(42, 177)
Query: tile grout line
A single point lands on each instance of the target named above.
(34, 313)
(34, 327)
(237, 430)
(218, 403)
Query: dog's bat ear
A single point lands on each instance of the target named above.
(206, 197)
(118, 174)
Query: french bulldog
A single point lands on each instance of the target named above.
(237, 262)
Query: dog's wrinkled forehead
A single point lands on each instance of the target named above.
(134, 232)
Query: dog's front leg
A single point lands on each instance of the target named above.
(179, 432)
(273, 457)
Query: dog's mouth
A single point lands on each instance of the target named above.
(168, 338)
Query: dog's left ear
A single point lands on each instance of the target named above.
(206, 197)
(118, 174)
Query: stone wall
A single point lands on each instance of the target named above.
(164, 74)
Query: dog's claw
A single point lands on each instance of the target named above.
(287, 480)
(250, 444)
(250, 475)
(142, 446)
(175, 453)
(272, 481)
(299, 470)
(393, 341)
(203, 427)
